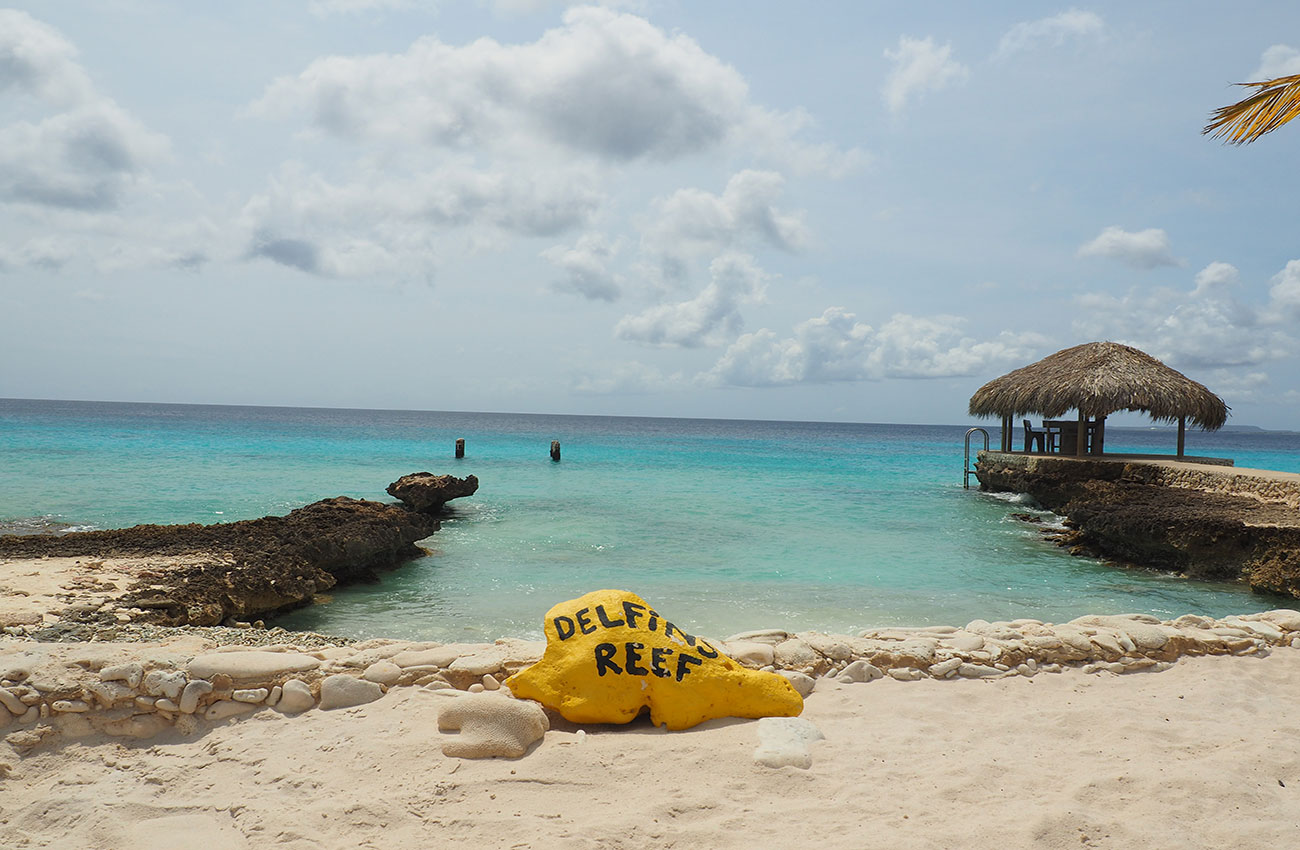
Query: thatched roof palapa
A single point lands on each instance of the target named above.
(1097, 379)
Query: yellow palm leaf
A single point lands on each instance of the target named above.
(1273, 103)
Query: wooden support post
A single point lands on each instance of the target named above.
(1081, 443)
(460, 447)
(555, 450)
(1006, 433)
(1099, 437)
(1182, 434)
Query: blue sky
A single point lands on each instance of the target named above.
(844, 211)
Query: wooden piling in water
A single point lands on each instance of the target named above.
(460, 447)
(555, 450)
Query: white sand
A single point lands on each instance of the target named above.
(1206, 754)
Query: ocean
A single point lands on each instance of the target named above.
(722, 525)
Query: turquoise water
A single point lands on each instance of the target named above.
(727, 525)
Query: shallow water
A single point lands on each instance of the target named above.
(725, 525)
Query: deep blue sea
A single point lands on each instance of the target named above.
(723, 525)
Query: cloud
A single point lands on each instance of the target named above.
(1280, 60)
(1214, 278)
(693, 223)
(36, 60)
(919, 66)
(836, 347)
(1049, 32)
(1145, 249)
(1284, 291)
(586, 268)
(710, 318)
(87, 152)
(1202, 328)
(604, 84)
(384, 222)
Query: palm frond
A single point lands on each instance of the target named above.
(1273, 103)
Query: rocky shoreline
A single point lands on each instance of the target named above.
(1202, 523)
(206, 575)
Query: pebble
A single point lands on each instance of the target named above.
(165, 704)
(162, 683)
(70, 706)
(343, 691)
(131, 672)
(476, 688)
(750, 653)
(860, 671)
(905, 674)
(253, 695)
(382, 673)
(965, 642)
(802, 684)
(295, 697)
(490, 683)
(795, 654)
(945, 668)
(274, 697)
(977, 671)
(109, 693)
(11, 702)
(190, 696)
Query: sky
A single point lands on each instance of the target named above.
(842, 211)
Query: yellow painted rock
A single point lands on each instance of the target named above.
(609, 654)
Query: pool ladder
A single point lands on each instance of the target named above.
(966, 469)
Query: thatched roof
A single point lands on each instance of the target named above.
(1099, 378)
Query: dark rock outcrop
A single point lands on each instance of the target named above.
(427, 493)
(1113, 511)
(203, 574)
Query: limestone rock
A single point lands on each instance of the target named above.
(295, 697)
(609, 654)
(130, 673)
(752, 654)
(795, 654)
(427, 493)
(440, 657)
(491, 725)
(802, 684)
(383, 673)
(786, 742)
(860, 671)
(252, 664)
(190, 696)
(162, 683)
(223, 708)
(343, 691)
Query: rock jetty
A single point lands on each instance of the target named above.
(428, 493)
(55, 692)
(209, 574)
(1210, 522)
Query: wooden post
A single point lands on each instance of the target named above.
(1099, 437)
(555, 450)
(1081, 442)
(1006, 433)
(1182, 434)
(460, 447)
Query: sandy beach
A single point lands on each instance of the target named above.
(1200, 755)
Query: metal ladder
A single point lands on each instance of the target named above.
(966, 470)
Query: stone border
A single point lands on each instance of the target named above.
(63, 691)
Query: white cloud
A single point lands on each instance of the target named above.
(693, 223)
(1280, 60)
(1144, 249)
(1284, 291)
(385, 222)
(835, 346)
(605, 84)
(1215, 277)
(710, 318)
(919, 66)
(1049, 32)
(1201, 328)
(586, 267)
(86, 152)
(36, 60)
